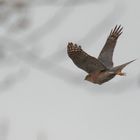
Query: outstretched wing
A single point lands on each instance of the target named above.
(107, 52)
(82, 60)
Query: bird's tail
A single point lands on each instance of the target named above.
(118, 69)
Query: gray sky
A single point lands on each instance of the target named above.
(43, 95)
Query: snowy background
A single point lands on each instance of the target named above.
(43, 95)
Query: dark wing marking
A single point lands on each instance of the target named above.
(106, 54)
(82, 60)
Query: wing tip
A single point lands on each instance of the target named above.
(73, 48)
(117, 31)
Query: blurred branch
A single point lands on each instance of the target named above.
(13, 14)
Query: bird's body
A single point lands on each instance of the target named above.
(100, 70)
(100, 77)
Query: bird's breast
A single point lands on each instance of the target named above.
(101, 77)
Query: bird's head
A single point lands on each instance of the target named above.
(88, 77)
(94, 78)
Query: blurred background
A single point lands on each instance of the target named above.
(43, 95)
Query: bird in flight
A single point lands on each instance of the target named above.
(101, 69)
